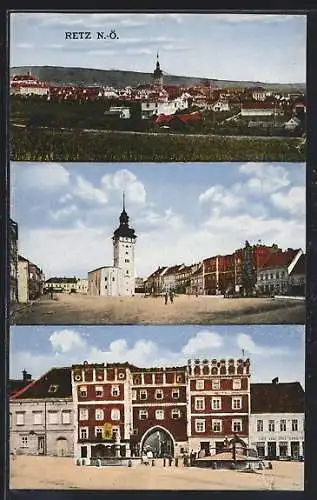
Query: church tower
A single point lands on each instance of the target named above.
(158, 74)
(124, 239)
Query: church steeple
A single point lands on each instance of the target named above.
(124, 230)
(158, 73)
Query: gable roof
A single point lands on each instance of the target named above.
(300, 266)
(279, 259)
(15, 386)
(287, 397)
(40, 388)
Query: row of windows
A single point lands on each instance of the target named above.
(215, 384)
(99, 432)
(138, 380)
(99, 414)
(159, 394)
(272, 425)
(160, 414)
(236, 403)
(99, 392)
(53, 417)
(216, 425)
(272, 276)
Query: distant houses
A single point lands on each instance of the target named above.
(256, 269)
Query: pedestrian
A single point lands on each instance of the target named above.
(171, 297)
(166, 298)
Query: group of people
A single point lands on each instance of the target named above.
(169, 295)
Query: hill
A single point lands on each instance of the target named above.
(120, 78)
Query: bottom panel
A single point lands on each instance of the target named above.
(157, 407)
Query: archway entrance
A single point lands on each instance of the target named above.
(62, 447)
(160, 442)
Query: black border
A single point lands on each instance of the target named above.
(282, 6)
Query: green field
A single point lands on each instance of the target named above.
(74, 145)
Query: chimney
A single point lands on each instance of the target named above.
(275, 380)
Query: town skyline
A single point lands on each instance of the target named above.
(182, 213)
(38, 349)
(277, 40)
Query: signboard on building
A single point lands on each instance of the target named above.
(107, 431)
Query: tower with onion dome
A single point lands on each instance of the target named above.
(158, 74)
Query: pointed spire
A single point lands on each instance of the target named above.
(123, 201)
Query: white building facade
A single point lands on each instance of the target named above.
(277, 420)
(277, 435)
(42, 417)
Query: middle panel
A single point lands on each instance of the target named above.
(158, 243)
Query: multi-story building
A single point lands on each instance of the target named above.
(183, 277)
(61, 284)
(219, 274)
(159, 402)
(219, 405)
(277, 420)
(154, 283)
(169, 277)
(13, 241)
(197, 281)
(102, 396)
(119, 279)
(274, 275)
(41, 416)
(30, 280)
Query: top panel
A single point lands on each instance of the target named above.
(157, 87)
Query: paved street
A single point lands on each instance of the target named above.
(33, 472)
(84, 309)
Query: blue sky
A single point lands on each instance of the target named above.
(274, 351)
(267, 48)
(182, 213)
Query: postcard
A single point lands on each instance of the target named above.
(157, 407)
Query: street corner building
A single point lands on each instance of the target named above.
(276, 421)
(42, 415)
(119, 279)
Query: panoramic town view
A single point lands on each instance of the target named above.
(160, 407)
(138, 96)
(143, 243)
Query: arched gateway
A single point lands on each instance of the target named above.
(158, 440)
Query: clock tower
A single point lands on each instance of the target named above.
(124, 239)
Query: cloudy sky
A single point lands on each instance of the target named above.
(181, 212)
(267, 48)
(271, 349)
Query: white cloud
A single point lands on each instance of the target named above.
(124, 180)
(63, 213)
(85, 190)
(222, 197)
(203, 342)
(265, 177)
(50, 177)
(245, 341)
(66, 341)
(292, 201)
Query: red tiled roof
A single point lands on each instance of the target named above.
(277, 398)
(279, 259)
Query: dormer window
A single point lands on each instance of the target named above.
(53, 388)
